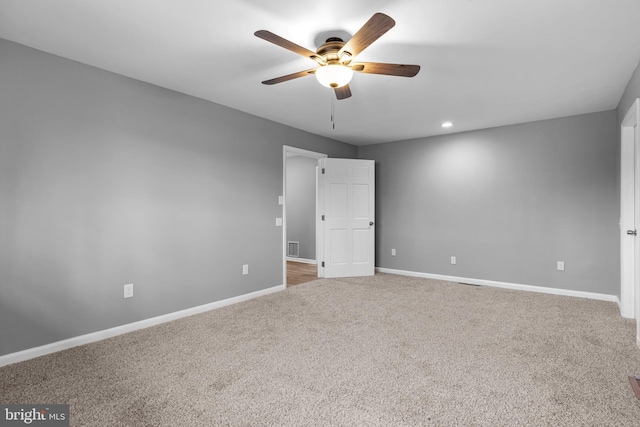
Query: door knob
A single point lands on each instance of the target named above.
(370, 222)
(632, 232)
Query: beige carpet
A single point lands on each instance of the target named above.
(380, 351)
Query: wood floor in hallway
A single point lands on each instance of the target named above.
(300, 272)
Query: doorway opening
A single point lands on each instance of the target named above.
(299, 220)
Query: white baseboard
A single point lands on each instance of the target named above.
(119, 330)
(302, 260)
(505, 285)
(619, 304)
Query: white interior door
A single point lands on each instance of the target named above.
(347, 211)
(627, 222)
(630, 216)
(634, 235)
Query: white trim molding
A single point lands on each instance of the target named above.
(504, 285)
(302, 260)
(119, 330)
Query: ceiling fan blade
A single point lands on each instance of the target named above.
(371, 31)
(402, 70)
(289, 77)
(342, 92)
(282, 42)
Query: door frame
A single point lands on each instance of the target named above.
(289, 151)
(629, 159)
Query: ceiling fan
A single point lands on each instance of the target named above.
(334, 57)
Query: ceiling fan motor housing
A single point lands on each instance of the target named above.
(333, 71)
(330, 49)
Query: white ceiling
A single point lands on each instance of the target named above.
(484, 63)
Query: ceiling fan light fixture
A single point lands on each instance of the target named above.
(334, 57)
(334, 75)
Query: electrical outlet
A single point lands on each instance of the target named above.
(393, 252)
(453, 260)
(128, 290)
(245, 269)
(278, 222)
(280, 200)
(560, 266)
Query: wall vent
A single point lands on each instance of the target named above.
(293, 249)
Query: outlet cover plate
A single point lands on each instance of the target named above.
(128, 290)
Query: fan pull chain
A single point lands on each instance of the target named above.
(333, 112)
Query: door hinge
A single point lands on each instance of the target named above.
(323, 263)
(323, 217)
(322, 171)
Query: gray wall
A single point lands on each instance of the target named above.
(105, 180)
(508, 202)
(301, 204)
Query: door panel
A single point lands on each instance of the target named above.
(347, 189)
(361, 201)
(360, 246)
(339, 201)
(338, 245)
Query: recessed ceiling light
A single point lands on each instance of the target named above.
(447, 124)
